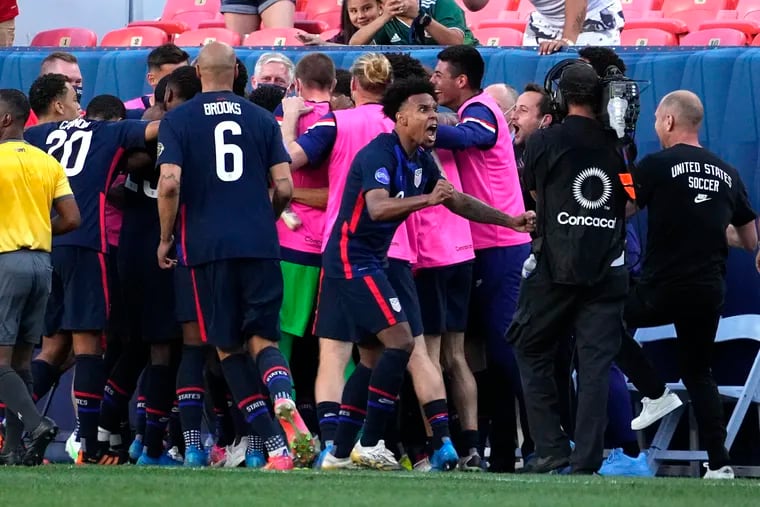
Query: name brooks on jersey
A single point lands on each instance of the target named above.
(702, 183)
(222, 107)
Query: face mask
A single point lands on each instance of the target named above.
(78, 91)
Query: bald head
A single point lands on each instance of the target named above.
(216, 65)
(685, 108)
(504, 95)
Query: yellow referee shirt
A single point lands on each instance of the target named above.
(30, 180)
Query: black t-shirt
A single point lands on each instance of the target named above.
(692, 196)
(580, 201)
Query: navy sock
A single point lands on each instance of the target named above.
(327, 412)
(44, 375)
(222, 401)
(176, 438)
(275, 373)
(88, 391)
(158, 405)
(242, 380)
(384, 387)
(190, 392)
(437, 415)
(140, 409)
(352, 411)
(119, 388)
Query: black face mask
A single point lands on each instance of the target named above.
(78, 91)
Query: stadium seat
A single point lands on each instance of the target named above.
(311, 25)
(507, 19)
(715, 37)
(499, 36)
(66, 37)
(274, 37)
(641, 5)
(488, 13)
(328, 11)
(181, 15)
(329, 34)
(748, 9)
(135, 36)
(173, 7)
(694, 12)
(203, 36)
(674, 26)
(729, 19)
(647, 37)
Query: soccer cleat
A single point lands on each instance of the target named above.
(135, 449)
(654, 410)
(40, 438)
(330, 462)
(725, 472)
(300, 441)
(471, 463)
(321, 457)
(236, 453)
(174, 454)
(165, 460)
(422, 465)
(445, 458)
(218, 456)
(10, 458)
(406, 462)
(621, 465)
(195, 457)
(280, 463)
(255, 459)
(377, 457)
(72, 446)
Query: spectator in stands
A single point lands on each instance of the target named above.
(246, 16)
(560, 23)
(274, 69)
(241, 79)
(407, 22)
(341, 96)
(355, 14)
(8, 13)
(504, 95)
(161, 62)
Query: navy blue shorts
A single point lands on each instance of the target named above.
(356, 310)
(444, 295)
(148, 296)
(185, 309)
(118, 323)
(402, 280)
(239, 299)
(79, 298)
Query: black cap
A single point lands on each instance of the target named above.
(579, 79)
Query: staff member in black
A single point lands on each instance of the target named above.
(692, 197)
(580, 280)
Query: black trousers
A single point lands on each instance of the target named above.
(545, 313)
(695, 311)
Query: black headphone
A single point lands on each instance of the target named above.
(551, 85)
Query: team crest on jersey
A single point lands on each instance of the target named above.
(159, 150)
(417, 177)
(382, 176)
(395, 304)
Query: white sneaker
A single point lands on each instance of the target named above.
(72, 446)
(377, 457)
(654, 410)
(330, 462)
(236, 453)
(725, 472)
(423, 465)
(174, 454)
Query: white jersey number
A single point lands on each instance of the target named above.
(58, 139)
(223, 149)
(147, 189)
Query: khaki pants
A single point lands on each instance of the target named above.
(7, 32)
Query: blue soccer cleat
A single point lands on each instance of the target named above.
(135, 450)
(255, 459)
(321, 457)
(162, 461)
(195, 457)
(445, 458)
(620, 465)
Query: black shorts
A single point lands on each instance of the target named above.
(402, 280)
(356, 310)
(444, 295)
(148, 296)
(185, 309)
(118, 323)
(238, 299)
(79, 298)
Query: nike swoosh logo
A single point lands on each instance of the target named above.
(701, 198)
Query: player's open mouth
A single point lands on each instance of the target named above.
(431, 131)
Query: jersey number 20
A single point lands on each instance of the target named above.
(58, 139)
(223, 149)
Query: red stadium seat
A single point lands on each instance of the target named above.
(756, 41)
(499, 36)
(674, 26)
(274, 37)
(66, 37)
(488, 13)
(194, 18)
(171, 28)
(203, 36)
(181, 15)
(172, 7)
(729, 19)
(694, 12)
(647, 37)
(329, 34)
(214, 23)
(135, 36)
(328, 11)
(715, 37)
(311, 25)
(748, 9)
(514, 24)
(641, 5)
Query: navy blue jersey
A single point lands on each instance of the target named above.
(358, 245)
(140, 223)
(89, 152)
(225, 146)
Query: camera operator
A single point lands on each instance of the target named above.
(580, 280)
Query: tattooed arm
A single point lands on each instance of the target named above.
(575, 15)
(472, 209)
(168, 203)
(283, 187)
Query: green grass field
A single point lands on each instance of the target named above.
(61, 485)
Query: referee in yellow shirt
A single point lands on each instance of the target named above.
(31, 184)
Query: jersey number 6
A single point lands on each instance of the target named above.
(223, 149)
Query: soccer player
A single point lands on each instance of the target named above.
(32, 184)
(483, 151)
(161, 62)
(236, 277)
(77, 312)
(389, 179)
